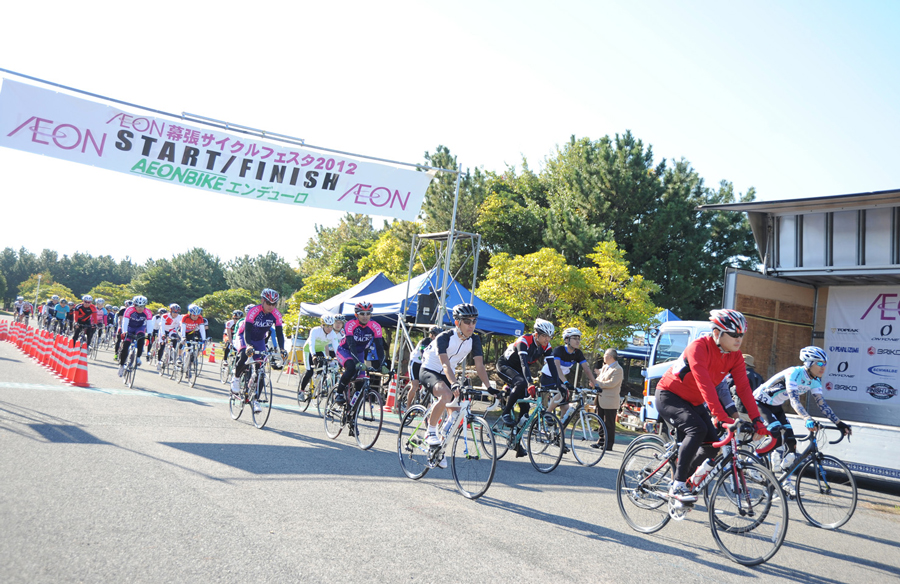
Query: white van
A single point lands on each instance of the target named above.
(670, 343)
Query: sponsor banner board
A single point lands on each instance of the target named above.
(49, 123)
(862, 337)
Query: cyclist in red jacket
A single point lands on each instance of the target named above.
(688, 388)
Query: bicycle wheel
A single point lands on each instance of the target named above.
(500, 432)
(545, 442)
(333, 416)
(474, 457)
(587, 438)
(643, 479)
(95, 349)
(264, 397)
(130, 368)
(411, 447)
(193, 370)
(237, 402)
(322, 398)
(748, 516)
(368, 419)
(826, 492)
(224, 371)
(644, 439)
(304, 397)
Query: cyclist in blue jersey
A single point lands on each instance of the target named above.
(257, 322)
(566, 357)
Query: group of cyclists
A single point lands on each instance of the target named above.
(687, 397)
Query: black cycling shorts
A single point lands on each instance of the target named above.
(430, 379)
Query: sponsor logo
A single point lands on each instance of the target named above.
(837, 349)
(842, 366)
(886, 330)
(887, 306)
(884, 370)
(893, 352)
(839, 387)
(844, 331)
(881, 391)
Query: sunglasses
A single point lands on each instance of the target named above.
(468, 320)
(819, 363)
(363, 314)
(734, 335)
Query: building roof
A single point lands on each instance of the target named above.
(815, 204)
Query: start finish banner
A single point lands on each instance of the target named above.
(55, 124)
(862, 337)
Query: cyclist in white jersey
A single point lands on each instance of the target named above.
(790, 384)
(415, 362)
(319, 346)
(441, 358)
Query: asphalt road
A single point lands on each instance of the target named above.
(159, 484)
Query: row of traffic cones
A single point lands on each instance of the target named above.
(64, 359)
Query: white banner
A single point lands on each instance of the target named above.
(862, 337)
(54, 124)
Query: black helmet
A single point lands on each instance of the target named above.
(464, 311)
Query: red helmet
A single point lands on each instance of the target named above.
(363, 307)
(730, 321)
(270, 296)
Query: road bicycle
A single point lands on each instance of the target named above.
(364, 413)
(422, 398)
(226, 368)
(94, 346)
(324, 378)
(746, 505)
(823, 486)
(542, 430)
(190, 368)
(166, 366)
(471, 444)
(255, 386)
(587, 435)
(131, 360)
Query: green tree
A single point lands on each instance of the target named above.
(513, 215)
(112, 293)
(316, 288)
(48, 288)
(390, 252)
(263, 271)
(603, 299)
(219, 305)
(2, 286)
(328, 240)
(181, 279)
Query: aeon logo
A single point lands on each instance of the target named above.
(886, 304)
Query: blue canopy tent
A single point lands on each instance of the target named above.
(665, 316)
(388, 303)
(333, 305)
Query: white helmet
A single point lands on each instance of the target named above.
(571, 332)
(194, 310)
(139, 301)
(328, 319)
(812, 353)
(54, 298)
(544, 326)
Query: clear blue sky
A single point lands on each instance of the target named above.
(797, 99)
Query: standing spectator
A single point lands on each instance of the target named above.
(609, 380)
(753, 377)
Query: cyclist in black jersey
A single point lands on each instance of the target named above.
(513, 366)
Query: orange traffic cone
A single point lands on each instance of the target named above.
(392, 395)
(4, 328)
(79, 376)
(212, 353)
